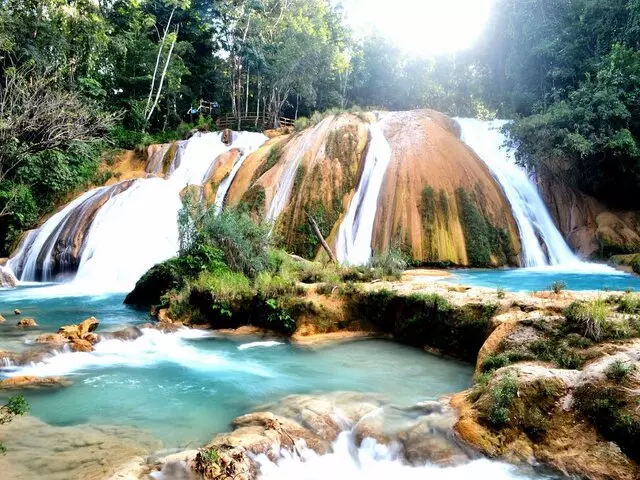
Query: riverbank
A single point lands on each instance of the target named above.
(534, 344)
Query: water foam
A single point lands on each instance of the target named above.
(267, 344)
(153, 347)
(372, 461)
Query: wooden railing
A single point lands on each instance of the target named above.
(235, 123)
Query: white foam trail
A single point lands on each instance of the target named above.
(372, 461)
(247, 143)
(247, 346)
(529, 210)
(153, 347)
(354, 242)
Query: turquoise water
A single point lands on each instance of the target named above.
(186, 387)
(540, 279)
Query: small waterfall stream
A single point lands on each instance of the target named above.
(112, 235)
(536, 227)
(353, 245)
(247, 143)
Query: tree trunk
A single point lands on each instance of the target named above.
(246, 103)
(155, 70)
(318, 234)
(164, 74)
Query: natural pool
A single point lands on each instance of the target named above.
(183, 388)
(538, 279)
(187, 386)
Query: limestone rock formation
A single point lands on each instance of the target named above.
(589, 226)
(27, 382)
(433, 186)
(7, 278)
(26, 323)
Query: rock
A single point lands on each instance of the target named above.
(91, 337)
(34, 355)
(129, 333)
(7, 358)
(164, 327)
(18, 383)
(2, 319)
(17, 312)
(163, 316)
(72, 332)
(26, 322)
(55, 339)
(7, 278)
(80, 345)
(226, 463)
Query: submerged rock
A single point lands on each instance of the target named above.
(17, 312)
(26, 323)
(2, 319)
(19, 383)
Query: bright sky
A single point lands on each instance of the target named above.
(422, 27)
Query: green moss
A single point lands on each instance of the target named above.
(482, 238)
(502, 395)
(253, 201)
(444, 206)
(428, 206)
(614, 414)
(275, 153)
(424, 319)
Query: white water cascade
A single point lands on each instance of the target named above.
(134, 229)
(247, 144)
(536, 227)
(353, 244)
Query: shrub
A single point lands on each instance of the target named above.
(502, 396)
(269, 285)
(3, 449)
(500, 293)
(629, 303)
(635, 265)
(277, 318)
(301, 124)
(619, 371)
(497, 361)
(18, 405)
(244, 244)
(558, 286)
(392, 263)
(588, 317)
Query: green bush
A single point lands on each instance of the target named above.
(392, 263)
(272, 285)
(635, 265)
(629, 303)
(619, 371)
(590, 318)
(277, 318)
(301, 124)
(18, 405)
(500, 293)
(558, 286)
(502, 395)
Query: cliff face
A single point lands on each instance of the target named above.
(590, 228)
(438, 202)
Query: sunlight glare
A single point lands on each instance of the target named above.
(422, 27)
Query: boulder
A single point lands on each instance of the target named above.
(7, 357)
(17, 312)
(80, 345)
(72, 332)
(26, 322)
(129, 333)
(163, 316)
(18, 383)
(2, 319)
(55, 339)
(224, 462)
(91, 337)
(7, 278)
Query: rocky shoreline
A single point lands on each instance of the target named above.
(537, 365)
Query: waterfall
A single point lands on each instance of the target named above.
(248, 143)
(356, 230)
(542, 243)
(113, 235)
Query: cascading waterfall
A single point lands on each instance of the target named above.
(247, 144)
(117, 233)
(356, 230)
(542, 243)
